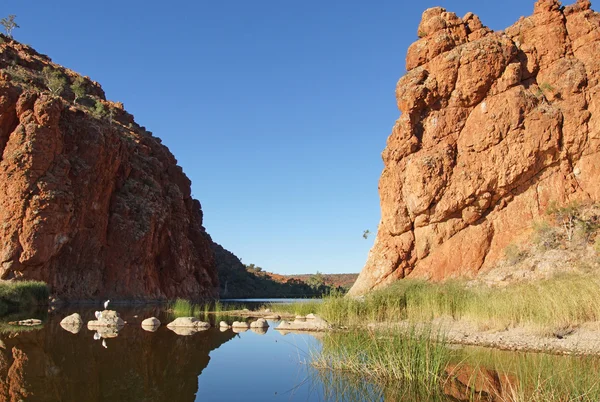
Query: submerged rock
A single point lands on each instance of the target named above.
(260, 331)
(184, 331)
(260, 323)
(239, 326)
(72, 323)
(187, 326)
(30, 322)
(151, 322)
(72, 320)
(315, 324)
(188, 322)
(105, 332)
(108, 318)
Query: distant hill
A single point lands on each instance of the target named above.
(250, 281)
(335, 280)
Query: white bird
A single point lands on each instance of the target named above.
(96, 336)
(104, 343)
(106, 304)
(98, 315)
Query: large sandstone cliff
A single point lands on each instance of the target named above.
(91, 202)
(494, 127)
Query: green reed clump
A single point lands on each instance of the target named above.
(22, 295)
(415, 358)
(186, 308)
(183, 308)
(297, 308)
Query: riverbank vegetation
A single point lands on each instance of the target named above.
(561, 301)
(421, 365)
(550, 281)
(22, 296)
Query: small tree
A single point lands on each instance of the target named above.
(55, 81)
(316, 281)
(9, 24)
(100, 110)
(78, 88)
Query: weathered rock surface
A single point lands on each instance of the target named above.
(30, 322)
(315, 324)
(72, 321)
(495, 126)
(91, 202)
(151, 322)
(188, 322)
(103, 332)
(109, 318)
(260, 323)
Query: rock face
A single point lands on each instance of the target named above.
(91, 202)
(495, 126)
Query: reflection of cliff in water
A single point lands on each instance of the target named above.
(54, 365)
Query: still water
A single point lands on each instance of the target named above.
(51, 364)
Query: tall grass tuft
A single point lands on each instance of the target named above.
(182, 308)
(417, 359)
(22, 295)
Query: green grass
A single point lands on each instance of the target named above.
(562, 301)
(183, 308)
(424, 369)
(298, 308)
(22, 295)
(186, 308)
(418, 358)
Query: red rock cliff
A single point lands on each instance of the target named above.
(90, 202)
(494, 126)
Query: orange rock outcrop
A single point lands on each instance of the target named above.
(494, 127)
(90, 202)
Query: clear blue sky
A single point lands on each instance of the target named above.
(277, 110)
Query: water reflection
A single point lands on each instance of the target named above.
(132, 364)
(55, 365)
